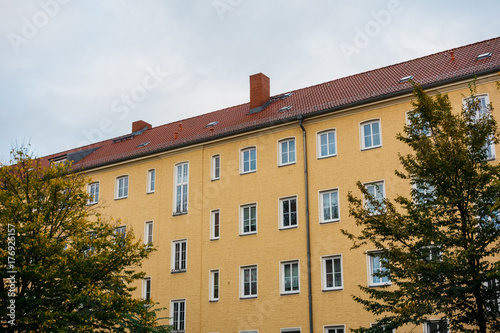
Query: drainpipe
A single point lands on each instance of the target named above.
(306, 184)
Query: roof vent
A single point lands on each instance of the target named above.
(143, 144)
(406, 78)
(285, 108)
(483, 56)
(213, 123)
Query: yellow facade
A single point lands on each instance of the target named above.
(270, 246)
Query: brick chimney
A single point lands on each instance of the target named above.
(139, 125)
(259, 92)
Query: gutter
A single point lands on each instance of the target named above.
(308, 233)
(292, 119)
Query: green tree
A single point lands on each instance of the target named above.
(64, 267)
(439, 247)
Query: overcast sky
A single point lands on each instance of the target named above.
(74, 72)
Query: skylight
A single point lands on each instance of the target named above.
(143, 144)
(213, 123)
(285, 108)
(483, 56)
(406, 78)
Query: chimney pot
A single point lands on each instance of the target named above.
(452, 56)
(259, 91)
(139, 125)
(175, 135)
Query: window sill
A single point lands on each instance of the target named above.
(92, 203)
(329, 221)
(249, 233)
(328, 290)
(380, 285)
(248, 297)
(247, 172)
(150, 192)
(287, 228)
(370, 148)
(286, 164)
(213, 301)
(290, 293)
(214, 239)
(121, 198)
(173, 271)
(214, 179)
(327, 156)
(179, 213)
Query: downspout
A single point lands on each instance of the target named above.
(306, 184)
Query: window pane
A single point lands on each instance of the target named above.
(253, 159)
(291, 151)
(324, 145)
(335, 205)
(329, 273)
(331, 143)
(376, 133)
(368, 135)
(284, 152)
(326, 206)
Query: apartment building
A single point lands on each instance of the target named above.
(246, 204)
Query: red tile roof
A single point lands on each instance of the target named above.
(439, 68)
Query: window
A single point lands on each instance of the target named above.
(121, 187)
(431, 253)
(214, 285)
(436, 326)
(329, 201)
(148, 233)
(248, 160)
(288, 212)
(94, 193)
(215, 224)
(376, 191)
(146, 289)
(290, 330)
(181, 188)
(121, 231)
(326, 144)
(215, 167)
(370, 135)
(178, 315)
(179, 256)
(248, 282)
(290, 282)
(385, 330)
(335, 329)
(481, 105)
(492, 293)
(376, 268)
(423, 193)
(424, 129)
(151, 180)
(248, 219)
(332, 273)
(286, 152)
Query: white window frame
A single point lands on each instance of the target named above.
(242, 219)
(435, 321)
(213, 214)
(318, 143)
(370, 256)
(183, 185)
(175, 321)
(94, 195)
(486, 98)
(145, 288)
(321, 203)
(151, 185)
(148, 233)
(175, 258)
(121, 230)
(287, 153)
(124, 188)
(242, 160)
(375, 183)
(408, 122)
(392, 331)
(216, 170)
(213, 297)
(362, 133)
(242, 281)
(282, 213)
(336, 327)
(283, 277)
(324, 279)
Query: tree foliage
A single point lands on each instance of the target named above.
(440, 246)
(70, 271)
